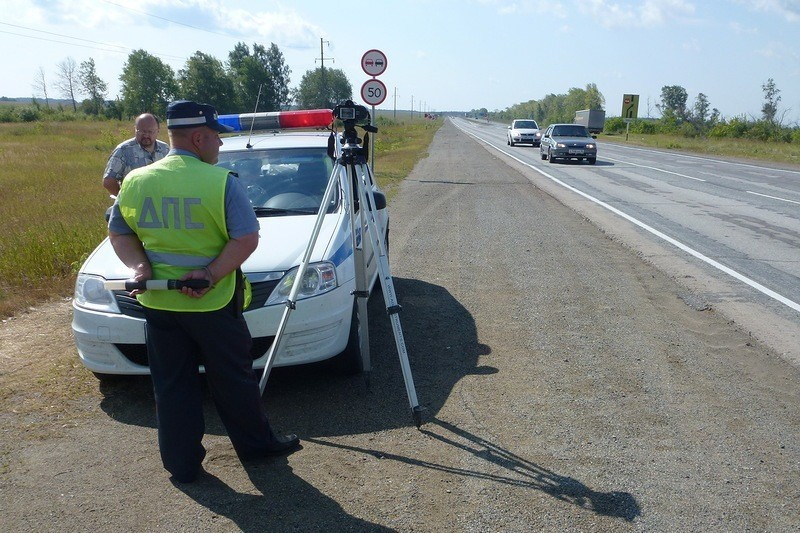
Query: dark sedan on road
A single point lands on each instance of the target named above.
(568, 141)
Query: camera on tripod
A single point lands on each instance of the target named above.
(348, 112)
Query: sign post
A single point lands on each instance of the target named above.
(373, 92)
(630, 110)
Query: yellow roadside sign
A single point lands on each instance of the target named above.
(630, 106)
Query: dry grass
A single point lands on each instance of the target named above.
(51, 203)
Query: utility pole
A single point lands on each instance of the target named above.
(322, 84)
(394, 113)
(412, 107)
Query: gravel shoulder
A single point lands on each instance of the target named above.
(568, 386)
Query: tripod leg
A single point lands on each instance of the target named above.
(291, 300)
(376, 233)
(361, 293)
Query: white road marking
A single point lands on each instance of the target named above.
(719, 266)
(654, 168)
(774, 197)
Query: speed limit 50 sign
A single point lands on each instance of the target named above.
(373, 92)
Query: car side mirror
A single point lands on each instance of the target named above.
(509, 127)
(380, 200)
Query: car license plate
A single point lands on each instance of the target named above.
(576, 152)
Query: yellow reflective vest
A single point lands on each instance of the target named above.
(176, 206)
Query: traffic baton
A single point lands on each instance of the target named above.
(154, 284)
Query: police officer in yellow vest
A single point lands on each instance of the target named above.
(183, 218)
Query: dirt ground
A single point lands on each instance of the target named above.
(569, 386)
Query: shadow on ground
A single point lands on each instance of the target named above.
(315, 400)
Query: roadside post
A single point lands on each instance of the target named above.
(630, 110)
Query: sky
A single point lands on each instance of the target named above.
(442, 55)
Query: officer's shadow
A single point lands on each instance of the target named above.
(283, 504)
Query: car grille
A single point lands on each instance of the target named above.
(137, 353)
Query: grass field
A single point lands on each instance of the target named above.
(52, 201)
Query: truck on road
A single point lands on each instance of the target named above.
(593, 119)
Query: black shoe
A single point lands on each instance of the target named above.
(184, 478)
(282, 445)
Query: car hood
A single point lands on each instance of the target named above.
(283, 241)
(573, 140)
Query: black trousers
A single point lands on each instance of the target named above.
(177, 343)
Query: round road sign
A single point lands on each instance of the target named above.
(373, 92)
(373, 62)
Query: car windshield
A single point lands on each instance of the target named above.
(526, 125)
(282, 181)
(570, 131)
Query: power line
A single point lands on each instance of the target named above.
(56, 34)
(60, 42)
(121, 49)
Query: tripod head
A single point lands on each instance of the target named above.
(353, 115)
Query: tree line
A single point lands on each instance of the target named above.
(699, 119)
(251, 80)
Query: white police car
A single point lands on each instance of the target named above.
(286, 176)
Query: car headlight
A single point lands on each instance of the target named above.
(561, 145)
(590, 146)
(91, 294)
(319, 278)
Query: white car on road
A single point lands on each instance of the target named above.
(524, 131)
(285, 175)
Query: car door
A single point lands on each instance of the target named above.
(544, 147)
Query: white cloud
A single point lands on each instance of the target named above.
(692, 45)
(647, 14)
(737, 27)
(790, 9)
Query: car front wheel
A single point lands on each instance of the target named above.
(350, 361)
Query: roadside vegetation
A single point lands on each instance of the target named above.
(745, 140)
(698, 127)
(52, 202)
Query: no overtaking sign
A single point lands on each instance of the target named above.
(373, 62)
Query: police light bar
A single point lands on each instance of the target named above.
(278, 120)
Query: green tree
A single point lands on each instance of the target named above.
(92, 85)
(204, 79)
(594, 98)
(673, 102)
(148, 84)
(323, 90)
(261, 72)
(700, 113)
(771, 98)
(279, 74)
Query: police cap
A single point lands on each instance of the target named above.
(188, 114)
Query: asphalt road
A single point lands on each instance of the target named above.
(736, 222)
